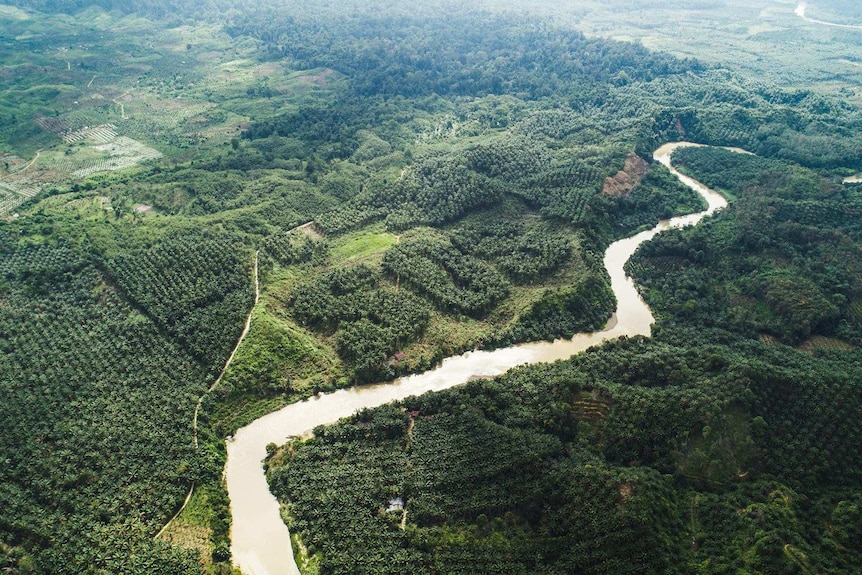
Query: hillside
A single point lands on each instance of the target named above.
(412, 186)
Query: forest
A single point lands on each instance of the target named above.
(837, 11)
(103, 360)
(784, 264)
(698, 451)
(406, 186)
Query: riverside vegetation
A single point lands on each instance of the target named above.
(463, 174)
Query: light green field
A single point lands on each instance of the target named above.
(182, 92)
(763, 37)
(367, 246)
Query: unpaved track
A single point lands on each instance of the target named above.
(244, 333)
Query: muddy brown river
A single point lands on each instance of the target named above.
(260, 541)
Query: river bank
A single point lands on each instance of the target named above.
(260, 539)
(803, 6)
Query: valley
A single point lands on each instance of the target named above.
(225, 228)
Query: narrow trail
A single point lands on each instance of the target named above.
(244, 333)
(117, 102)
(33, 161)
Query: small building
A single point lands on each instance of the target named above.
(395, 504)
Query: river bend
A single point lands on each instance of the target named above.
(260, 541)
(803, 6)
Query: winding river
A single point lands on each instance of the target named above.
(803, 6)
(800, 11)
(260, 541)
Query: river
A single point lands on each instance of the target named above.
(260, 541)
(800, 11)
(803, 6)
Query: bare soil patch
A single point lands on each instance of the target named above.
(626, 179)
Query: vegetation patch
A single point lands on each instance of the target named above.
(785, 230)
(655, 447)
(367, 244)
(453, 281)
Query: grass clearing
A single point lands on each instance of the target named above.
(191, 529)
(367, 245)
(277, 363)
(447, 333)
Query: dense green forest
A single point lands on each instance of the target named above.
(414, 185)
(695, 452)
(106, 348)
(783, 262)
(711, 448)
(837, 11)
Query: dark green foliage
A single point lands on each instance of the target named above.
(370, 321)
(446, 485)
(381, 57)
(290, 248)
(259, 196)
(363, 344)
(348, 217)
(529, 507)
(439, 189)
(333, 130)
(219, 503)
(812, 437)
(696, 453)
(390, 321)
(98, 404)
(783, 259)
(333, 297)
(847, 523)
(566, 311)
(454, 282)
(723, 110)
(443, 186)
(658, 196)
(181, 284)
(566, 468)
(525, 256)
(565, 191)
